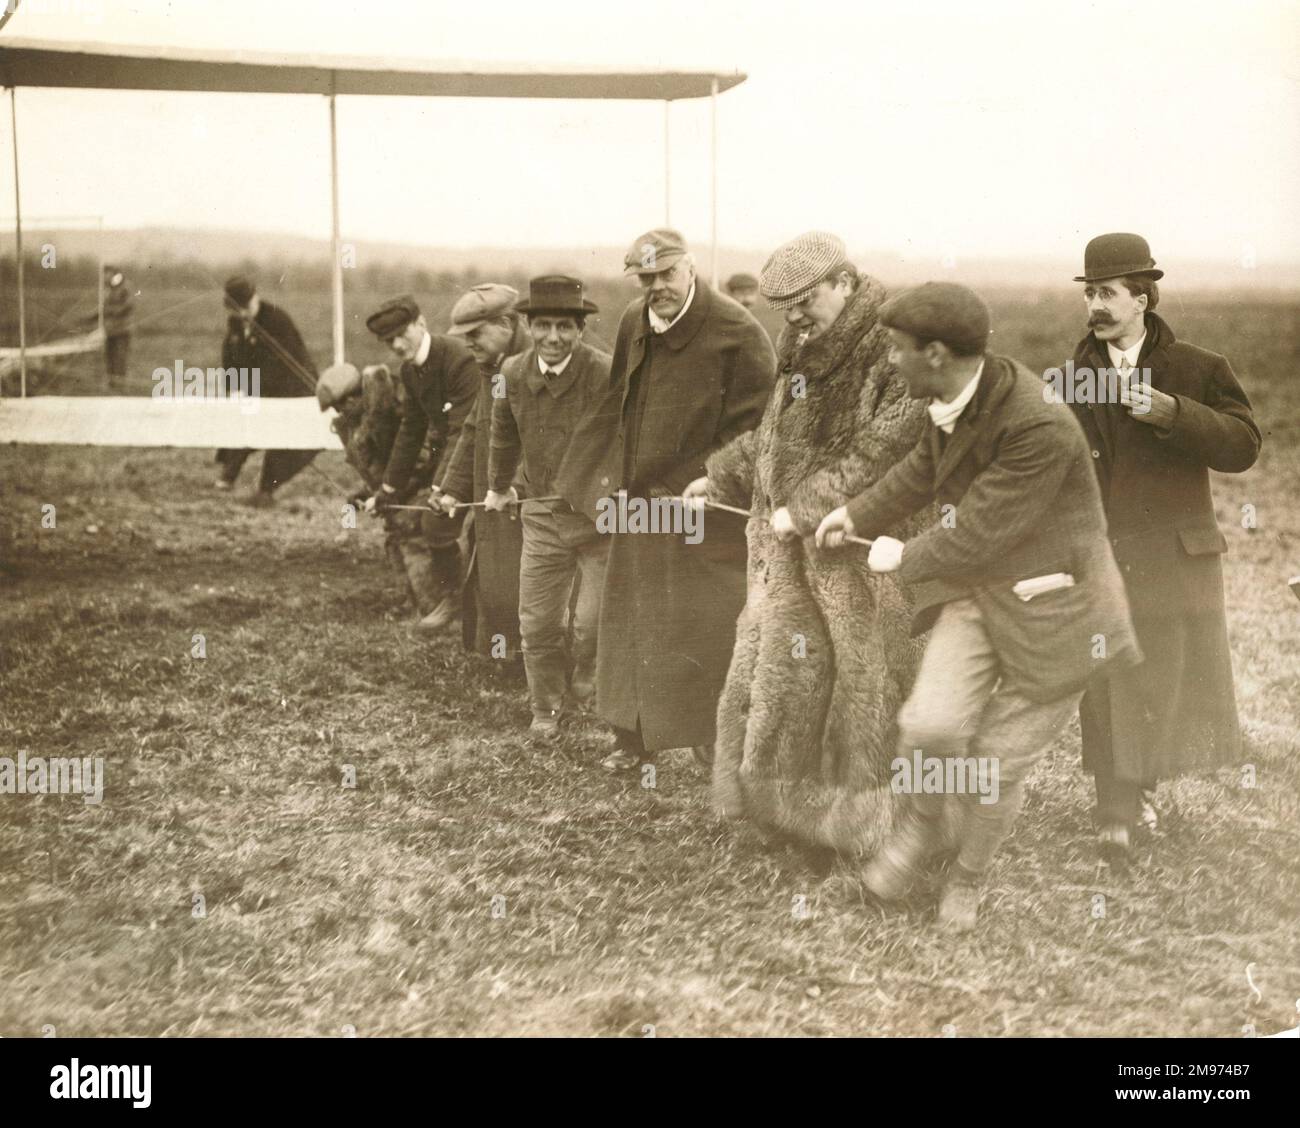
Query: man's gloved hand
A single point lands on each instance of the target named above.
(498, 502)
(696, 493)
(783, 524)
(446, 503)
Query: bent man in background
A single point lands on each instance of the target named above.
(263, 336)
(369, 414)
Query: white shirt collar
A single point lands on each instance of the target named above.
(554, 369)
(422, 353)
(945, 415)
(1117, 356)
(659, 325)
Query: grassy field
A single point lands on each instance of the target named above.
(473, 884)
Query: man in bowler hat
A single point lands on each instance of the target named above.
(548, 391)
(1180, 413)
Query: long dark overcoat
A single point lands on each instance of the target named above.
(824, 656)
(1177, 711)
(668, 615)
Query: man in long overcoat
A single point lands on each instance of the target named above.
(1152, 452)
(262, 336)
(692, 369)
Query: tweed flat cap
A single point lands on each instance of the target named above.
(657, 250)
(481, 303)
(239, 290)
(336, 383)
(1115, 255)
(794, 269)
(392, 317)
(940, 311)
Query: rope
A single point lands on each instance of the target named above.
(747, 513)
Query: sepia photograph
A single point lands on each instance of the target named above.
(716, 520)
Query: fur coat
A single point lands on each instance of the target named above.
(823, 657)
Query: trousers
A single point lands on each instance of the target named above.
(959, 708)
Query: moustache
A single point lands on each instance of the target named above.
(1095, 322)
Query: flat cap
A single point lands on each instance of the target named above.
(655, 251)
(239, 290)
(1115, 255)
(940, 311)
(392, 317)
(481, 303)
(336, 383)
(742, 282)
(793, 270)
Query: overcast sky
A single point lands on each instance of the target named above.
(931, 129)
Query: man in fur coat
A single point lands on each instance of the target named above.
(823, 658)
(1184, 415)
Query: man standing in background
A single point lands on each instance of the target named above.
(119, 305)
(1181, 413)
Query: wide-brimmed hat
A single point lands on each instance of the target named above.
(480, 305)
(1115, 255)
(556, 293)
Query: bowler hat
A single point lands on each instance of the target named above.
(392, 317)
(655, 251)
(481, 304)
(940, 311)
(1115, 255)
(556, 293)
(239, 290)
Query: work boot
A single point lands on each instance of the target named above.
(1115, 843)
(545, 726)
(894, 867)
(439, 618)
(959, 906)
(260, 499)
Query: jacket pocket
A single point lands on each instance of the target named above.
(1046, 644)
(1203, 542)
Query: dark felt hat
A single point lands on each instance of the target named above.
(392, 317)
(1115, 255)
(239, 290)
(940, 311)
(556, 293)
